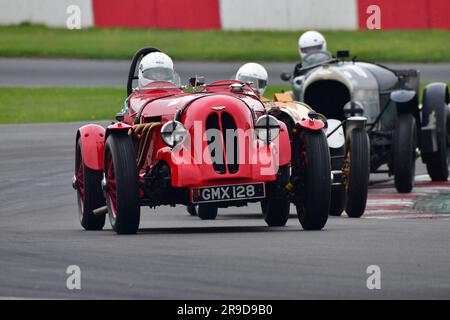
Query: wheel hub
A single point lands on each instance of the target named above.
(104, 186)
(346, 171)
(74, 182)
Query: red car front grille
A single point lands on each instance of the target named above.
(225, 152)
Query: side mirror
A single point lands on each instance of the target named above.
(237, 87)
(286, 76)
(343, 54)
(196, 81)
(120, 117)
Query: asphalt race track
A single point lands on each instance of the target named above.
(91, 73)
(176, 256)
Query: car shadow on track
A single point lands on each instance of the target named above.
(221, 229)
(242, 216)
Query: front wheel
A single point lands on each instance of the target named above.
(122, 190)
(404, 152)
(313, 168)
(356, 173)
(275, 207)
(89, 193)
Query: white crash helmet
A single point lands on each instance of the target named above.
(156, 67)
(254, 73)
(311, 41)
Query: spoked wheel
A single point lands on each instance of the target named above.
(122, 188)
(404, 152)
(356, 173)
(89, 193)
(207, 211)
(313, 168)
(275, 207)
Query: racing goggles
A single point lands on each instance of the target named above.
(254, 82)
(159, 74)
(312, 49)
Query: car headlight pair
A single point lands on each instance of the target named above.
(173, 133)
(267, 128)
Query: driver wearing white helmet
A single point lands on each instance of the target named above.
(309, 42)
(156, 67)
(254, 74)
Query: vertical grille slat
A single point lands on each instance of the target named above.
(231, 142)
(215, 147)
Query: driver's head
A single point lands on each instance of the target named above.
(156, 67)
(255, 74)
(311, 41)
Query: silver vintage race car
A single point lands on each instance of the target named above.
(398, 127)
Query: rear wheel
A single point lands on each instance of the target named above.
(437, 164)
(356, 173)
(275, 207)
(122, 184)
(404, 152)
(312, 199)
(207, 211)
(435, 101)
(337, 203)
(89, 193)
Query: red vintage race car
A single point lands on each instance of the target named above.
(209, 146)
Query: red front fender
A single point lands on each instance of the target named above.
(117, 127)
(92, 145)
(284, 145)
(310, 124)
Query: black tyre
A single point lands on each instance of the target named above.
(436, 99)
(122, 190)
(207, 211)
(89, 193)
(312, 200)
(337, 202)
(192, 210)
(275, 207)
(404, 152)
(356, 173)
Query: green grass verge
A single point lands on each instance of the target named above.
(42, 105)
(40, 41)
(275, 89)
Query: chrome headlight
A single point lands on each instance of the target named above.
(267, 128)
(173, 133)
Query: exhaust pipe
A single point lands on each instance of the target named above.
(100, 211)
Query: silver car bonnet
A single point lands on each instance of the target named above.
(362, 85)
